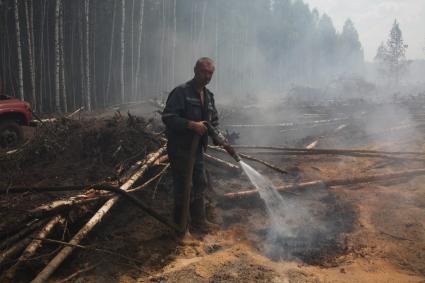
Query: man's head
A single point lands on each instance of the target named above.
(204, 69)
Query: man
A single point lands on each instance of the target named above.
(189, 107)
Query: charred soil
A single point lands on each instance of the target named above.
(368, 232)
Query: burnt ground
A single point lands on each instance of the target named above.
(372, 232)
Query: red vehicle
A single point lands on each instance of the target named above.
(14, 114)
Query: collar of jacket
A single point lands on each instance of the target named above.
(207, 92)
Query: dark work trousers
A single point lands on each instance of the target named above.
(179, 160)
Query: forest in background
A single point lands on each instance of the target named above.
(63, 54)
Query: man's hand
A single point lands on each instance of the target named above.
(199, 127)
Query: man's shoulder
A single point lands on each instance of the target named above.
(183, 86)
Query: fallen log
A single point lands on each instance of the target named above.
(253, 159)
(62, 205)
(39, 121)
(75, 112)
(138, 203)
(96, 218)
(221, 163)
(353, 154)
(287, 124)
(126, 105)
(49, 209)
(133, 168)
(163, 159)
(21, 233)
(334, 182)
(58, 206)
(14, 250)
(30, 250)
(313, 144)
(324, 151)
(271, 166)
(150, 181)
(43, 189)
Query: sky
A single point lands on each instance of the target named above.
(373, 20)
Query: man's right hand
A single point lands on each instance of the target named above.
(199, 127)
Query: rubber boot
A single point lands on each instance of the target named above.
(199, 221)
(177, 214)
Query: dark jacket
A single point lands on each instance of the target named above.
(184, 104)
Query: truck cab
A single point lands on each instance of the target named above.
(14, 114)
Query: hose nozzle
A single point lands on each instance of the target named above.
(235, 157)
(219, 139)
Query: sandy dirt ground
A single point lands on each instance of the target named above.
(372, 232)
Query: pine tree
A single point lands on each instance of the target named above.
(350, 48)
(327, 39)
(392, 56)
(380, 59)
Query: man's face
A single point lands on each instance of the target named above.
(204, 72)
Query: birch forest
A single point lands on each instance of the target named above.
(63, 54)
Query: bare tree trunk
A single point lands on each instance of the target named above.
(87, 32)
(3, 66)
(48, 71)
(93, 42)
(57, 57)
(192, 30)
(62, 59)
(132, 51)
(18, 44)
(217, 78)
(162, 47)
(9, 63)
(122, 50)
(201, 35)
(173, 62)
(28, 21)
(111, 49)
(42, 63)
(82, 56)
(139, 46)
(71, 60)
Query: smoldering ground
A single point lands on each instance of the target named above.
(309, 226)
(312, 226)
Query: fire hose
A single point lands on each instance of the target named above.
(219, 139)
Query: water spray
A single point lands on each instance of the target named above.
(280, 211)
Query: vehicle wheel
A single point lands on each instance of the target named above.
(11, 134)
